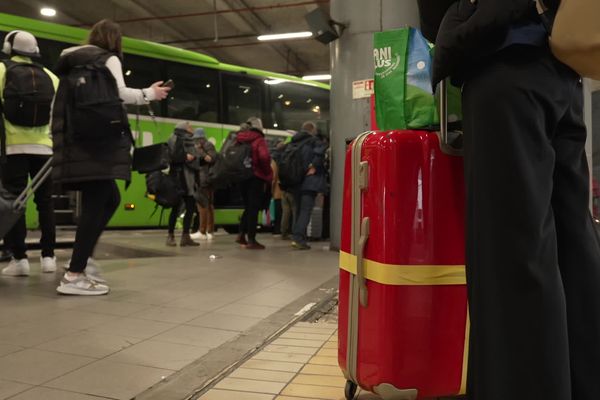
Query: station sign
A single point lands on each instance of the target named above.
(363, 89)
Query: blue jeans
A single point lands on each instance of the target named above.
(305, 201)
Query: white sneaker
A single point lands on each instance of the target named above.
(203, 236)
(92, 270)
(81, 286)
(17, 268)
(210, 236)
(48, 264)
(196, 235)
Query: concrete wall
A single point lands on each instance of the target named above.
(352, 60)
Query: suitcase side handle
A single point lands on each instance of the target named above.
(360, 261)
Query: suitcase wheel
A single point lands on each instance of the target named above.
(350, 390)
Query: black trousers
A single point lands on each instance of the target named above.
(277, 217)
(253, 193)
(99, 201)
(533, 257)
(190, 207)
(15, 175)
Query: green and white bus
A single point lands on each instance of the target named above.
(208, 93)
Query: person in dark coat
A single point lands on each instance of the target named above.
(532, 254)
(184, 166)
(313, 156)
(207, 155)
(255, 188)
(92, 167)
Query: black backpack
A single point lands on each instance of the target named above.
(232, 166)
(165, 188)
(94, 109)
(28, 94)
(291, 166)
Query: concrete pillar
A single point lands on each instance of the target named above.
(352, 60)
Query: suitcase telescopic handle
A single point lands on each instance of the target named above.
(37, 181)
(444, 112)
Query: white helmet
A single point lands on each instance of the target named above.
(21, 43)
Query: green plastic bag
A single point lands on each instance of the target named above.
(404, 98)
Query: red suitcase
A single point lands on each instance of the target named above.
(403, 323)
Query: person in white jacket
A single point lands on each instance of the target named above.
(92, 164)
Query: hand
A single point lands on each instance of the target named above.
(190, 157)
(160, 92)
(208, 158)
(311, 171)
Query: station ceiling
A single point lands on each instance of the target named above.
(229, 34)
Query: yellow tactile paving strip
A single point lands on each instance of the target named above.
(300, 365)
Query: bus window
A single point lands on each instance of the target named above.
(50, 51)
(141, 72)
(196, 93)
(243, 99)
(291, 104)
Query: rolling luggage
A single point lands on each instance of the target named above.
(12, 207)
(403, 320)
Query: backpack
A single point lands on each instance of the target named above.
(232, 166)
(165, 188)
(28, 94)
(292, 170)
(94, 109)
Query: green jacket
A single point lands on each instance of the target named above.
(22, 135)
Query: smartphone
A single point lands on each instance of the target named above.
(169, 83)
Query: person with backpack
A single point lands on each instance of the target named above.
(302, 173)
(92, 143)
(255, 187)
(207, 156)
(184, 166)
(532, 252)
(27, 90)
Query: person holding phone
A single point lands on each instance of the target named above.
(92, 163)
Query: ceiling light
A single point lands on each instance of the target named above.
(280, 96)
(48, 12)
(275, 125)
(308, 101)
(274, 81)
(128, 72)
(288, 103)
(281, 36)
(208, 85)
(323, 77)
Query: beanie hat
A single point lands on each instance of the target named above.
(255, 122)
(183, 126)
(199, 133)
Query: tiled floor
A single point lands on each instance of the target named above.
(162, 314)
(299, 365)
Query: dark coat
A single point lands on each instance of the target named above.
(205, 148)
(78, 161)
(181, 144)
(261, 159)
(469, 31)
(313, 154)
